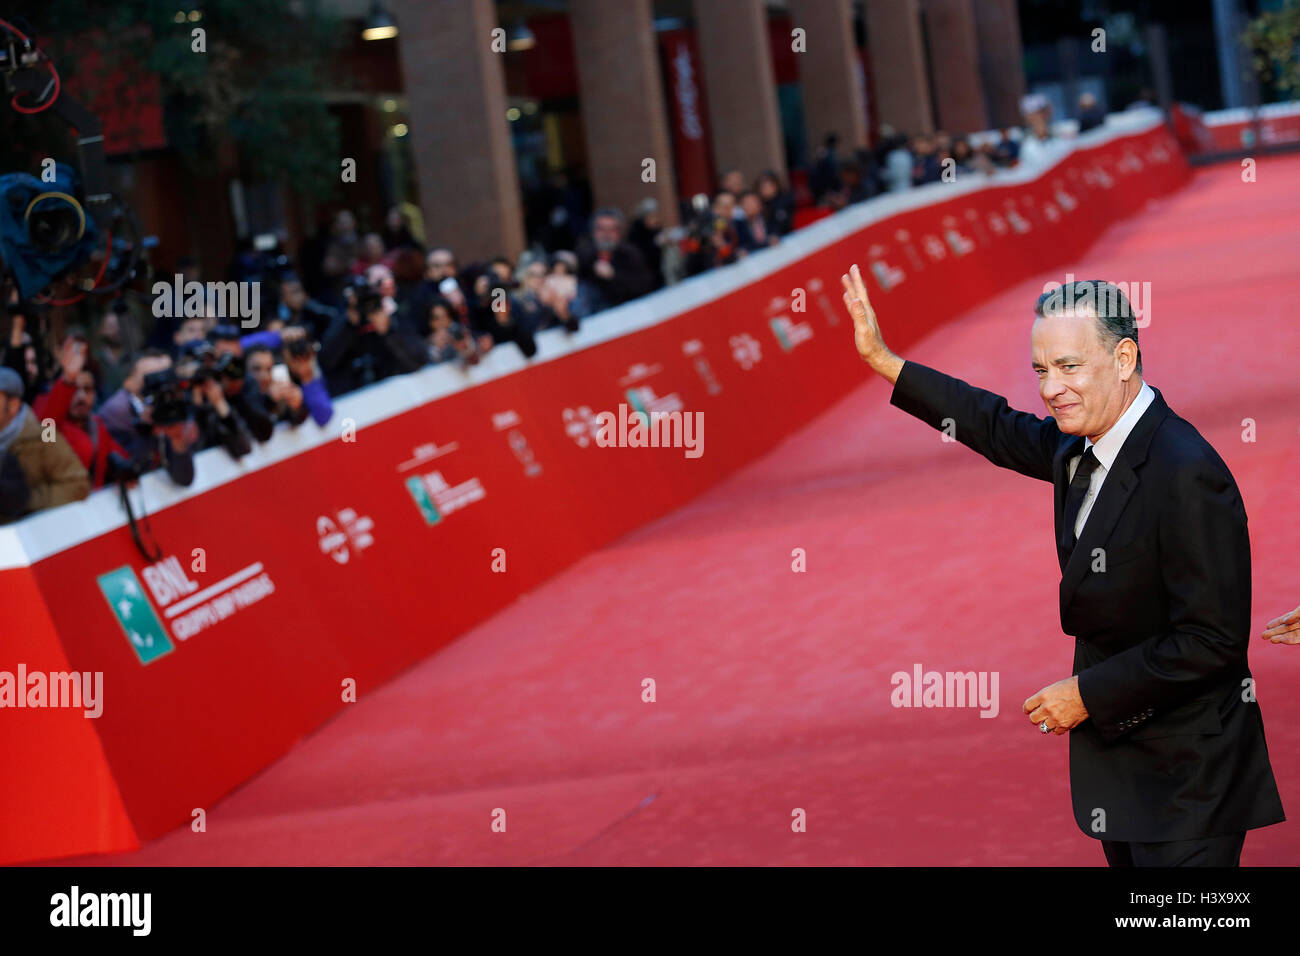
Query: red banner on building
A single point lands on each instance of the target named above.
(690, 114)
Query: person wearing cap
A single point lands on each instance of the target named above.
(34, 473)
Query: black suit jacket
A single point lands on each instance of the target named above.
(1156, 593)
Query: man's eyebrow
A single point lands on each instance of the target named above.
(1063, 360)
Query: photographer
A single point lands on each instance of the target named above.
(299, 385)
(713, 239)
(296, 308)
(34, 473)
(197, 387)
(150, 442)
(365, 344)
(225, 359)
(70, 403)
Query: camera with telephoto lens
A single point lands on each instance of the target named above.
(167, 392)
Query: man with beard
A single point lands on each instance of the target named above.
(70, 403)
(34, 473)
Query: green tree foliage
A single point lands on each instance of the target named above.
(257, 85)
(1274, 37)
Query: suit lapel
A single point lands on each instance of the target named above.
(1121, 481)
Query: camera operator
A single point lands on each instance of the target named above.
(34, 473)
(296, 308)
(299, 386)
(70, 403)
(197, 386)
(150, 441)
(365, 344)
(713, 238)
(226, 362)
(300, 375)
(506, 321)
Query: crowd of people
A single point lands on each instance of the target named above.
(144, 390)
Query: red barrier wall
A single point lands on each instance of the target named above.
(327, 566)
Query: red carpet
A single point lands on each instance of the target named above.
(773, 688)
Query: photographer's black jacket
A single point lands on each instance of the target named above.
(352, 358)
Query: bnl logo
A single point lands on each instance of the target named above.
(135, 615)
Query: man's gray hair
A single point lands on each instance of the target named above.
(1116, 320)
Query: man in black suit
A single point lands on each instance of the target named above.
(1168, 764)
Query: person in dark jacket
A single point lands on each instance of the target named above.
(365, 345)
(35, 473)
(608, 265)
(129, 419)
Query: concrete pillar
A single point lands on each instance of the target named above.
(623, 111)
(828, 73)
(460, 137)
(1002, 59)
(740, 86)
(898, 65)
(955, 65)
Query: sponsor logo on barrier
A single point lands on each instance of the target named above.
(217, 602)
(790, 333)
(694, 350)
(958, 243)
(639, 373)
(74, 690)
(427, 452)
(436, 498)
(818, 289)
(904, 239)
(136, 616)
(344, 534)
(503, 420)
(518, 443)
(580, 424)
(189, 609)
(934, 248)
(745, 350)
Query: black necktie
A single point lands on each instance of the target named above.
(1074, 497)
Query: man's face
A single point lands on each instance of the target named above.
(1079, 378)
(83, 397)
(191, 330)
(605, 233)
(259, 367)
(10, 406)
(752, 205)
(440, 265)
(110, 329)
(293, 296)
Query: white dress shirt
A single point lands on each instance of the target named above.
(1105, 451)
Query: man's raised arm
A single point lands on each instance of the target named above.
(979, 419)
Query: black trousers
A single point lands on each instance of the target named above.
(1211, 851)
